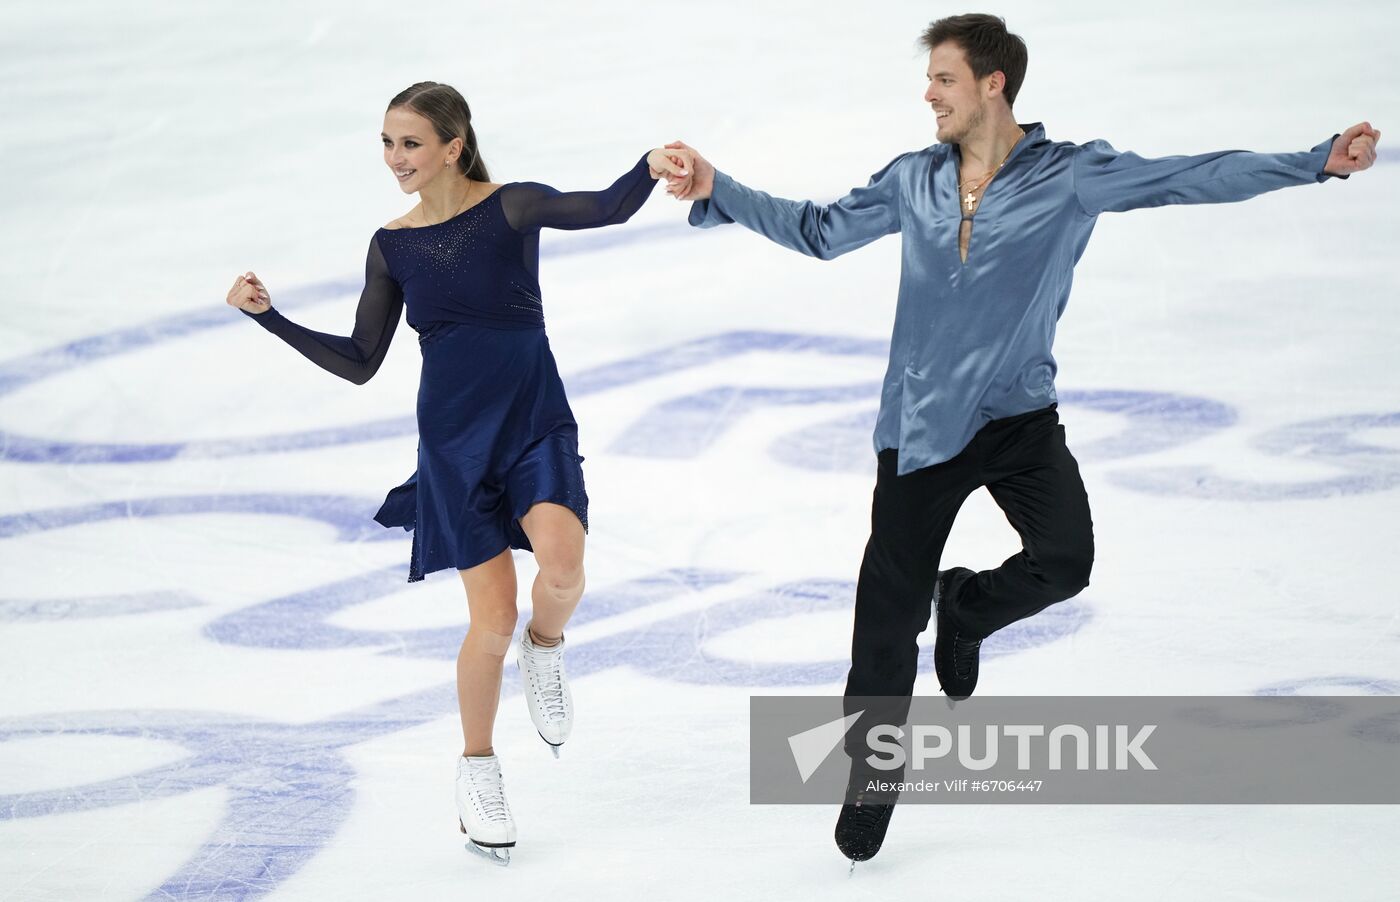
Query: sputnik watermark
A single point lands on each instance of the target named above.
(811, 748)
(1054, 750)
(933, 741)
(1112, 746)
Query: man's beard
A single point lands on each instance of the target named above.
(974, 122)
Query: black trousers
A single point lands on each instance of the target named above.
(1023, 462)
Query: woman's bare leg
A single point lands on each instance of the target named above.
(491, 600)
(556, 535)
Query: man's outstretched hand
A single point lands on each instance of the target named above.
(699, 183)
(1353, 151)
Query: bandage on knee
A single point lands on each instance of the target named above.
(485, 641)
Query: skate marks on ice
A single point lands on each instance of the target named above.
(346, 515)
(685, 427)
(1352, 444)
(32, 369)
(1341, 684)
(289, 787)
(1152, 422)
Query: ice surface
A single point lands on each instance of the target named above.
(217, 684)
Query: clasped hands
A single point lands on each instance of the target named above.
(688, 175)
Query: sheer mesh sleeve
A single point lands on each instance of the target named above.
(358, 357)
(530, 206)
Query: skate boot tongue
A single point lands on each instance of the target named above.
(546, 690)
(546, 665)
(487, 786)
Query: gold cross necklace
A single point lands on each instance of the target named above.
(970, 200)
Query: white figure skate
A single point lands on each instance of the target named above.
(546, 690)
(482, 812)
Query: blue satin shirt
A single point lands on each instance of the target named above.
(972, 340)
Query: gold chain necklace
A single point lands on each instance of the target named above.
(970, 200)
(461, 208)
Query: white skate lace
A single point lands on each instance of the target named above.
(488, 791)
(546, 664)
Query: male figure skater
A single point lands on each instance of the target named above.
(969, 396)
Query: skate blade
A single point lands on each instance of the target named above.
(497, 855)
(852, 871)
(552, 747)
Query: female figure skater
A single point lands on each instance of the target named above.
(498, 461)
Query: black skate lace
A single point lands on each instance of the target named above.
(964, 654)
(867, 814)
(964, 650)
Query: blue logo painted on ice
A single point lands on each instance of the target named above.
(290, 786)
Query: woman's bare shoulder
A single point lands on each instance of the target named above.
(403, 222)
(413, 219)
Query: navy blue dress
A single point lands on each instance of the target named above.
(495, 431)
